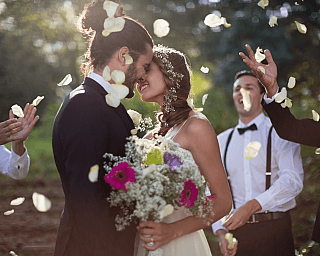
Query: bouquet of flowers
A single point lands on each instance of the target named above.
(152, 178)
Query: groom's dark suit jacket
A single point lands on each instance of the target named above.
(84, 129)
(303, 131)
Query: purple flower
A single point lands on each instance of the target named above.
(172, 161)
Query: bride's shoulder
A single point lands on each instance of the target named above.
(198, 123)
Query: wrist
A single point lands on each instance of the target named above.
(221, 232)
(272, 90)
(254, 206)
(18, 147)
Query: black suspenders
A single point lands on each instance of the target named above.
(268, 166)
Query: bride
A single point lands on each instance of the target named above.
(168, 84)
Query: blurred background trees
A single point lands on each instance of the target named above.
(39, 45)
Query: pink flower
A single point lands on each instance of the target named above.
(189, 194)
(120, 175)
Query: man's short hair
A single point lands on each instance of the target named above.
(249, 73)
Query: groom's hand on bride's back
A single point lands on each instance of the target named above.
(223, 244)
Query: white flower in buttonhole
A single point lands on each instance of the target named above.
(291, 82)
(17, 110)
(136, 118)
(259, 56)
(204, 70)
(252, 150)
(17, 201)
(273, 21)
(41, 202)
(112, 24)
(66, 80)
(37, 100)
(204, 98)
(212, 20)
(245, 99)
(282, 96)
(161, 27)
(263, 3)
(7, 213)
(315, 116)
(93, 173)
(301, 27)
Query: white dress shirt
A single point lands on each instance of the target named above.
(12, 164)
(99, 79)
(248, 177)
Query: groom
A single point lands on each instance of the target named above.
(85, 128)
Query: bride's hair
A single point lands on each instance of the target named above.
(180, 65)
(100, 48)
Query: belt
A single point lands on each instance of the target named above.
(265, 216)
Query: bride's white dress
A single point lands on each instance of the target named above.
(193, 244)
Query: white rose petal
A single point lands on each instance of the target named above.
(287, 103)
(263, 3)
(315, 116)
(111, 7)
(204, 70)
(117, 92)
(190, 103)
(317, 151)
(17, 110)
(12, 253)
(134, 131)
(106, 74)
(280, 96)
(7, 213)
(17, 201)
(128, 59)
(135, 116)
(37, 100)
(112, 101)
(118, 76)
(166, 211)
(246, 99)
(262, 69)
(273, 21)
(66, 80)
(259, 56)
(252, 150)
(41, 202)
(204, 98)
(225, 23)
(212, 20)
(301, 27)
(230, 239)
(161, 28)
(291, 82)
(93, 174)
(113, 24)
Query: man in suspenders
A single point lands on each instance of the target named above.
(263, 186)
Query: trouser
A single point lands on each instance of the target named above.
(316, 229)
(265, 238)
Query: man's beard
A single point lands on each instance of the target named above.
(131, 77)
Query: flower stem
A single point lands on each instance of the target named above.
(147, 252)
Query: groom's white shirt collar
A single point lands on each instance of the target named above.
(99, 79)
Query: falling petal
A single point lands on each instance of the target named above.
(166, 211)
(111, 7)
(113, 24)
(93, 174)
(296, 3)
(212, 20)
(317, 151)
(12, 253)
(204, 98)
(190, 103)
(246, 99)
(118, 76)
(106, 74)
(66, 80)
(229, 238)
(128, 59)
(287, 103)
(262, 69)
(7, 213)
(17, 110)
(291, 82)
(37, 100)
(252, 150)
(112, 101)
(301, 27)
(204, 69)
(17, 201)
(273, 21)
(161, 28)
(280, 96)
(41, 202)
(259, 56)
(315, 116)
(225, 23)
(263, 3)
(119, 91)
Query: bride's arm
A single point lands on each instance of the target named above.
(205, 150)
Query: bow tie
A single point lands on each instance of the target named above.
(251, 128)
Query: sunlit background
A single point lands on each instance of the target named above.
(39, 45)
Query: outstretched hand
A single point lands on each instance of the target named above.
(9, 130)
(27, 122)
(269, 79)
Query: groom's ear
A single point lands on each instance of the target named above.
(121, 55)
